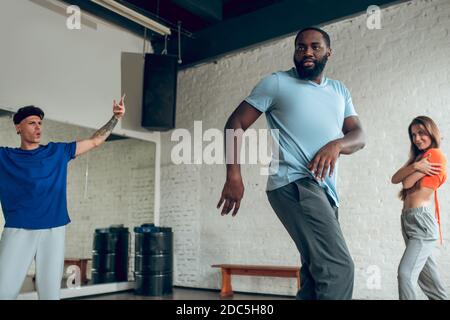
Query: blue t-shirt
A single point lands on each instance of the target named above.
(33, 185)
(308, 116)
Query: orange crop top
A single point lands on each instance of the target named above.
(435, 181)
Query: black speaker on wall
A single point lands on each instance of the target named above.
(160, 92)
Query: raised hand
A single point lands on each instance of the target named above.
(119, 108)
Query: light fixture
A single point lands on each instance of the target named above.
(134, 16)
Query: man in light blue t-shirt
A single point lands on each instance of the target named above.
(316, 123)
(33, 197)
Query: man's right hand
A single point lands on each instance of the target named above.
(232, 193)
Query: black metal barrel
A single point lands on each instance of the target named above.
(110, 255)
(153, 260)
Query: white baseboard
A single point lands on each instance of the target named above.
(89, 290)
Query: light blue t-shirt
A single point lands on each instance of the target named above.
(308, 116)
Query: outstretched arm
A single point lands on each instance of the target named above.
(103, 133)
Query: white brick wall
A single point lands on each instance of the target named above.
(181, 211)
(119, 187)
(394, 74)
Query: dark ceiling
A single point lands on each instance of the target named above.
(196, 15)
(212, 28)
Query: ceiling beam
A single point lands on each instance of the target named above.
(271, 22)
(210, 10)
(280, 19)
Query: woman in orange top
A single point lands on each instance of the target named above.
(421, 176)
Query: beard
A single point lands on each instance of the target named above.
(308, 73)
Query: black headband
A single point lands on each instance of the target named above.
(27, 111)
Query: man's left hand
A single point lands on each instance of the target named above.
(325, 159)
(119, 108)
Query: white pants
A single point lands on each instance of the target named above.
(18, 248)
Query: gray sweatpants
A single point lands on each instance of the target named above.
(327, 270)
(18, 248)
(420, 232)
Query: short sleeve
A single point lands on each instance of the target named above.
(70, 150)
(435, 181)
(263, 94)
(349, 110)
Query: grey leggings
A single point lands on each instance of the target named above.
(420, 232)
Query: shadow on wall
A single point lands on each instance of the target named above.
(6, 114)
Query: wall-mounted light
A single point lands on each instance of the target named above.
(134, 16)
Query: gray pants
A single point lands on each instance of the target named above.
(327, 270)
(18, 248)
(420, 232)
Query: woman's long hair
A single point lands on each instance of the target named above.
(415, 154)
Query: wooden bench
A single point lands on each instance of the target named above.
(253, 270)
(81, 263)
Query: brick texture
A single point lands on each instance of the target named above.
(394, 74)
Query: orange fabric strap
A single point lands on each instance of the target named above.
(438, 215)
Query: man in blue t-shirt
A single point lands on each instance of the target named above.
(314, 122)
(33, 182)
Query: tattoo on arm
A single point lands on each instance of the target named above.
(106, 130)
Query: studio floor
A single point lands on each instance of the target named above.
(187, 294)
